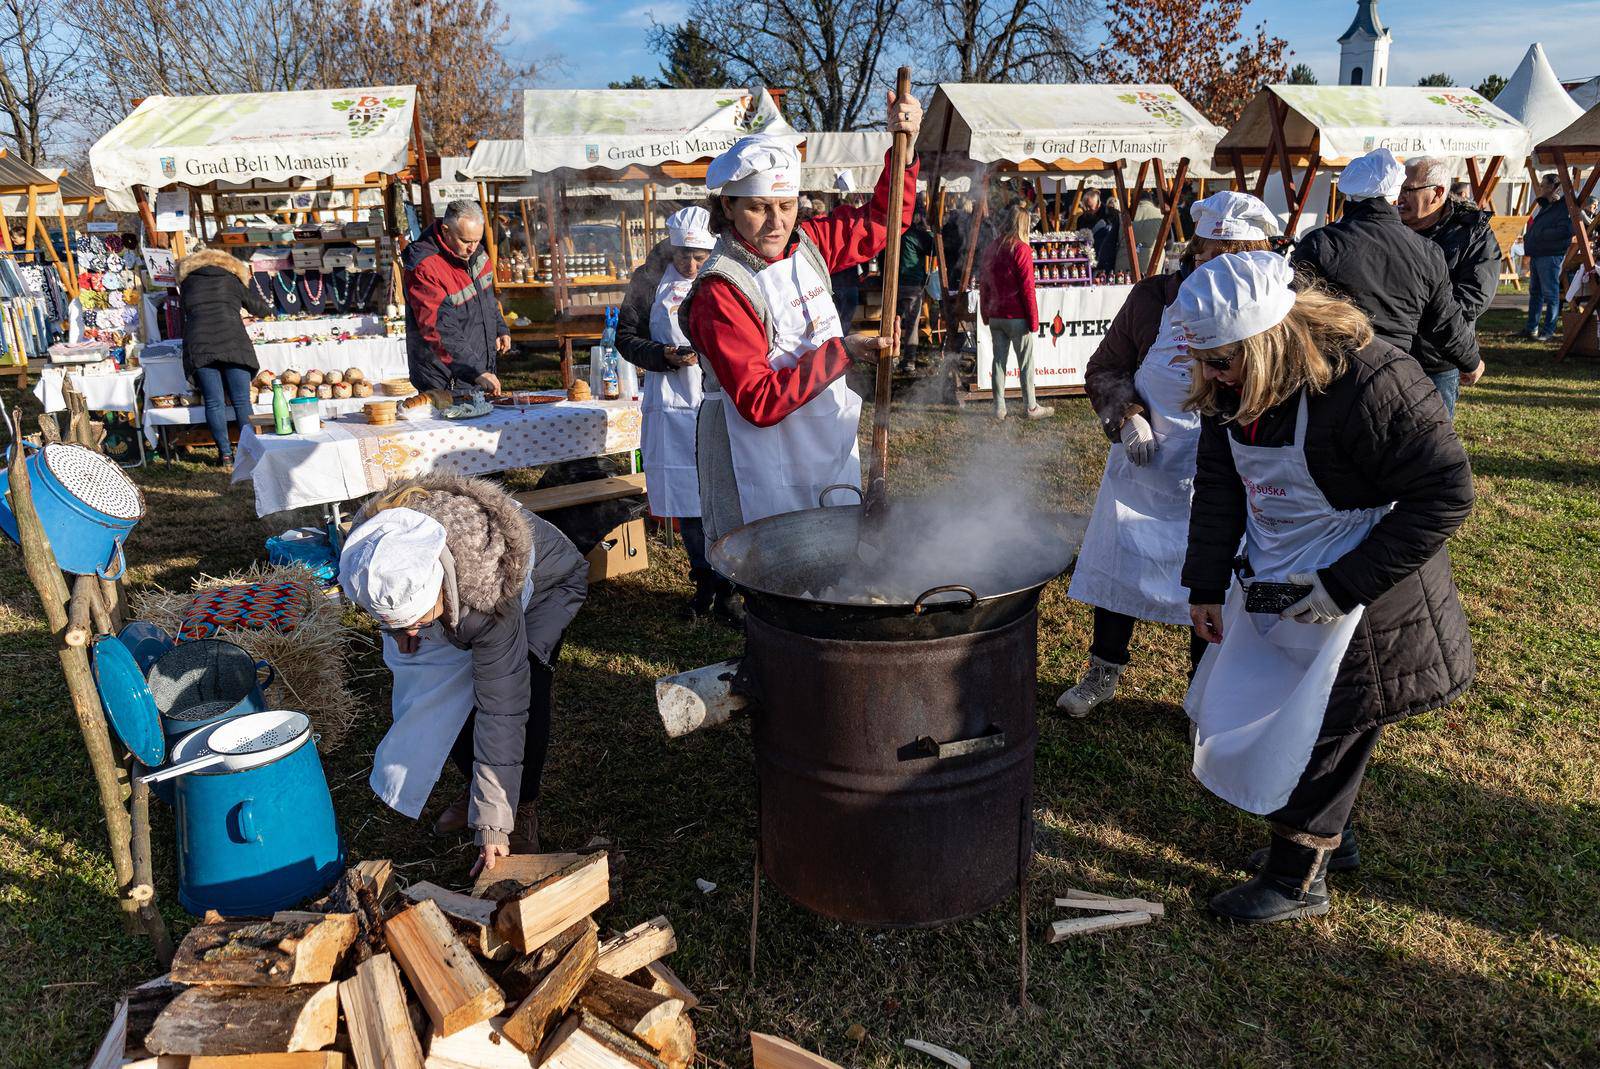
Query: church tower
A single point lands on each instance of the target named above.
(1364, 48)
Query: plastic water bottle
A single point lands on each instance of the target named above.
(281, 423)
(610, 376)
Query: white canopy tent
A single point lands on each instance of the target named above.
(1587, 95)
(1533, 96)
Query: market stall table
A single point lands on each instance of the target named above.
(350, 458)
(115, 392)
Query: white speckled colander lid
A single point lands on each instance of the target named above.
(95, 480)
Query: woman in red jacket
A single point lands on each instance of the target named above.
(1006, 292)
(778, 423)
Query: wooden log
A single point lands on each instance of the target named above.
(659, 977)
(702, 697)
(226, 1019)
(1113, 905)
(518, 872)
(637, 947)
(533, 916)
(480, 1046)
(450, 983)
(108, 1055)
(586, 1042)
(1104, 923)
(523, 974)
(79, 627)
(143, 866)
(381, 1035)
(557, 988)
(770, 1052)
(145, 1004)
(306, 1059)
(679, 1049)
(99, 616)
(275, 953)
(362, 889)
(631, 1009)
(472, 918)
(158, 1061)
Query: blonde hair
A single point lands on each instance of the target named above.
(399, 496)
(1017, 226)
(1199, 246)
(1310, 348)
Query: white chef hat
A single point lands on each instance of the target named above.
(1230, 216)
(690, 228)
(1377, 174)
(844, 182)
(760, 165)
(391, 566)
(1233, 297)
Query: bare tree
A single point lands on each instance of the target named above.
(1005, 40)
(38, 64)
(827, 53)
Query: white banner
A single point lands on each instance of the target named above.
(618, 128)
(1072, 320)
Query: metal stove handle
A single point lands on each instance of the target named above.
(272, 674)
(918, 608)
(991, 739)
(822, 498)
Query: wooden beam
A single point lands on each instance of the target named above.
(1277, 110)
(1127, 221)
(265, 953)
(1087, 925)
(522, 975)
(533, 915)
(1298, 201)
(534, 1016)
(980, 209)
(218, 1019)
(1570, 195)
(637, 947)
(381, 1034)
(306, 1059)
(770, 1052)
(449, 982)
(1168, 214)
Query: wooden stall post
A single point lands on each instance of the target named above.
(1077, 201)
(66, 241)
(558, 259)
(488, 233)
(1158, 253)
(1127, 219)
(888, 325)
(974, 228)
(421, 146)
(1574, 200)
(937, 190)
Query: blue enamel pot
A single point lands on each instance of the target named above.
(86, 504)
(200, 683)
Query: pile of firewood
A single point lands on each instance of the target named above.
(516, 973)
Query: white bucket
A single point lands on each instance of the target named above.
(305, 414)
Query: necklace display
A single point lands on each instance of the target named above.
(261, 282)
(311, 292)
(288, 297)
(365, 283)
(341, 294)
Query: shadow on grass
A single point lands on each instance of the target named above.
(1553, 471)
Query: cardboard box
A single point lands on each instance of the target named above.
(621, 551)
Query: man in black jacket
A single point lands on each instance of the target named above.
(1545, 243)
(1471, 253)
(1395, 276)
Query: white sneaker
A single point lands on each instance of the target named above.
(1097, 685)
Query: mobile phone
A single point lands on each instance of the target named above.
(1273, 597)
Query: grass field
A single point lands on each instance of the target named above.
(1470, 936)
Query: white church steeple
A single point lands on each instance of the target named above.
(1364, 48)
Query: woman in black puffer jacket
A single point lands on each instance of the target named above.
(1330, 454)
(218, 355)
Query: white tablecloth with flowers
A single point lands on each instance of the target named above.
(350, 458)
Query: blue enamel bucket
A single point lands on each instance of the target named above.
(200, 683)
(254, 840)
(86, 503)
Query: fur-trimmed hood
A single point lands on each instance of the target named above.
(486, 533)
(213, 258)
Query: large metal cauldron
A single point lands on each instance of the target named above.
(895, 731)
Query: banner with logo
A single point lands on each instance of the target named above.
(615, 129)
(1072, 320)
(315, 134)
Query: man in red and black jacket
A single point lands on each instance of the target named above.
(454, 329)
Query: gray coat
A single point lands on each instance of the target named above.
(489, 541)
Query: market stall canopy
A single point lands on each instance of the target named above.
(316, 134)
(858, 154)
(1534, 97)
(1341, 122)
(1075, 127)
(16, 176)
(1579, 143)
(1587, 95)
(495, 159)
(450, 185)
(69, 198)
(614, 129)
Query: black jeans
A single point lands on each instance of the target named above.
(1322, 801)
(693, 531)
(1113, 632)
(537, 743)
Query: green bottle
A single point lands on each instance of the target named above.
(280, 411)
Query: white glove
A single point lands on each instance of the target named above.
(1316, 607)
(1138, 440)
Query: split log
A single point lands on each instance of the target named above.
(480, 1046)
(225, 1019)
(158, 1061)
(108, 1055)
(381, 1036)
(533, 916)
(637, 947)
(362, 889)
(659, 977)
(518, 872)
(633, 1010)
(586, 1042)
(522, 975)
(553, 993)
(275, 953)
(679, 1049)
(1104, 923)
(447, 979)
(307, 1059)
(702, 697)
(472, 918)
(145, 1004)
(1113, 905)
(770, 1052)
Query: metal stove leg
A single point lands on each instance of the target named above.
(1024, 859)
(755, 909)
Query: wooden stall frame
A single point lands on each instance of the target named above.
(1567, 172)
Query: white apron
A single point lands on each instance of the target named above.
(1138, 534)
(785, 467)
(670, 403)
(430, 702)
(1259, 697)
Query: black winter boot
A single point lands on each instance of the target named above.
(728, 605)
(1293, 884)
(1346, 857)
(705, 593)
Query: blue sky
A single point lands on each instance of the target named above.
(604, 40)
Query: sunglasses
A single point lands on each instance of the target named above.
(1215, 363)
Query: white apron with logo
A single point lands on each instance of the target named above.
(1138, 534)
(1259, 697)
(670, 403)
(785, 467)
(431, 700)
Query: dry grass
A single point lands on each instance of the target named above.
(1469, 937)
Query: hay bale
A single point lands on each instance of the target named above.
(312, 660)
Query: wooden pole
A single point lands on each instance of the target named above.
(1280, 143)
(1167, 217)
(1298, 202)
(1127, 219)
(1570, 194)
(1491, 179)
(488, 233)
(974, 228)
(156, 239)
(143, 892)
(887, 326)
(426, 207)
(66, 242)
(1077, 203)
